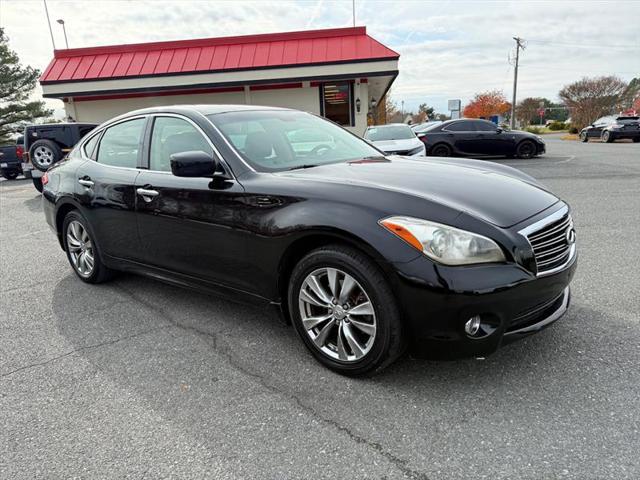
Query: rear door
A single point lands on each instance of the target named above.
(106, 186)
(189, 225)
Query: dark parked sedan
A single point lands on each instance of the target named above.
(364, 254)
(612, 128)
(469, 137)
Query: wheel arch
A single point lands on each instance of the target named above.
(62, 210)
(438, 144)
(312, 240)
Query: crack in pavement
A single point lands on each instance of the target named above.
(226, 352)
(80, 349)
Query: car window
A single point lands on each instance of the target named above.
(174, 135)
(276, 140)
(90, 147)
(484, 126)
(120, 144)
(389, 132)
(460, 127)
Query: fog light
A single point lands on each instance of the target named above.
(472, 327)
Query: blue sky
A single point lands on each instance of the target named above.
(449, 49)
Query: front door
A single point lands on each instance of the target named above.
(105, 187)
(188, 225)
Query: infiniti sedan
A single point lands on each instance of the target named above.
(365, 254)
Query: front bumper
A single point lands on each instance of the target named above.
(512, 302)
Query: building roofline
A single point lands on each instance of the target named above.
(215, 41)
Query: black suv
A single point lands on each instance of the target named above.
(47, 144)
(613, 128)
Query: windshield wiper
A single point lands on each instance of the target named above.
(300, 167)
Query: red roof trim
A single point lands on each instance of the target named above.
(209, 42)
(251, 52)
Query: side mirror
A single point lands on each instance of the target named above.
(499, 130)
(192, 164)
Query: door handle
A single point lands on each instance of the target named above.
(147, 195)
(85, 183)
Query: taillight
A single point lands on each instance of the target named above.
(19, 152)
(45, 178)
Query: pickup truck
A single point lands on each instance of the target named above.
(46, 144)
(11, 159)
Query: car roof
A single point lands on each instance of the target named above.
(389, 125)
(205, 109)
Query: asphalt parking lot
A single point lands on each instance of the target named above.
(137, 379)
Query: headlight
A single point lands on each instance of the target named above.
(416, 150)
(444, 244)
(539, 138)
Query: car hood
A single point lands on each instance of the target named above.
(397, 145)
(495, 193)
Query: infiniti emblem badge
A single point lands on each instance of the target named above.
(571, 236)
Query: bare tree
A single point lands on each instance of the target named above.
(590, 98)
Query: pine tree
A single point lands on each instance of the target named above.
(16, 86)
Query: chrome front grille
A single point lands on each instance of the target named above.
(552, 241)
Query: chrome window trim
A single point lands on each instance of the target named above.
(555, 216)
(202, 132)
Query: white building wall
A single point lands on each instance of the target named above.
(306, 99)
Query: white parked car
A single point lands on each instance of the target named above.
(395, 139)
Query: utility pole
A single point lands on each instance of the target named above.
(519, 45)
(353, 9)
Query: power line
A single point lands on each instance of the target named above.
(585, 45)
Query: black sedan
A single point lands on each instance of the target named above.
(611, 128)
(364, 254)
(469, 137)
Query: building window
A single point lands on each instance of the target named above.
(336, 102)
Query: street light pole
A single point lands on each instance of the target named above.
(46, 11)
(64, 30)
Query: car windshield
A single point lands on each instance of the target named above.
(389, 132)
(277, 140)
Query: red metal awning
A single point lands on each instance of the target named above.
(278, 50)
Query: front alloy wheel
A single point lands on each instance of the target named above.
(337, 314)
(343, 309)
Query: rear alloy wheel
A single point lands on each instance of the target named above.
(82, 250)
(607, 137)
(583, 137)
(441, 150)
(344, 311)
(526, 149)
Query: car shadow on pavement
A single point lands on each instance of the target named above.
(34, 204)
(131, 310)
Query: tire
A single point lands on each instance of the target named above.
(583, 137)
(80, 246)
(377, 345)
(10, 174)
(607, 137)
(44, 153)
(441, 150)
(37, 182)
(526, 149)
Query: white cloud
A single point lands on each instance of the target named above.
(448, 49)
